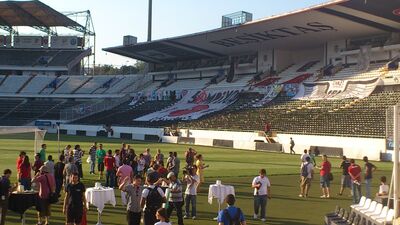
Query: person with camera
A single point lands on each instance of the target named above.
(74, 201)
(192, 180)
(355, 174)
(133, 192)
(176, 198)
(47, 185)
(189, 156)
(262, 191)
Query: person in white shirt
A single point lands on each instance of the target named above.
(162, 217)
(304, 156)
(192, 180)
(306, 175)
(383, 188)
(262, 191)
(50, 164)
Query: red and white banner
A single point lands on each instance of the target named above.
(195, 104)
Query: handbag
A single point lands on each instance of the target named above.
(330, 176)
(53, 197)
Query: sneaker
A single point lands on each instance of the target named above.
(185, 217)
(193, 218)
(323, 196)
(300, 195)
(255, 216)
(263, 219)
(328, 196)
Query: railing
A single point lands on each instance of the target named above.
(85, 110)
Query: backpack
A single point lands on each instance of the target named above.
(153, 200)
(304, 170)
(235, 220)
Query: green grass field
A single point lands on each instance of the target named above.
(233, 167)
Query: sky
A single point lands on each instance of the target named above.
(115, 18)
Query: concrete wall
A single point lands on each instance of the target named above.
(353, 147)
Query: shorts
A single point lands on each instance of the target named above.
(345, 181)
(74, 215)
(304, 181)
(100, 166)
(43, 207)
(324, 181)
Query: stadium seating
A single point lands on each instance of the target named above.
(124, 114)
(353, 117)
(72, 84)
(12, 84)
(37, 84)
(352, 72)
(93, 84)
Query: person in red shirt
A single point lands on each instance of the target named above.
(109, 163)
(355, 175)
(20, 158)
(24, 173)
(324, 170)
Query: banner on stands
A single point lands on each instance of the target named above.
(337, 89)
(195, 104)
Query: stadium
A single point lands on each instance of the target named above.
(326, 76)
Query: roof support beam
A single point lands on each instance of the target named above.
(46, 30)
(9, 29)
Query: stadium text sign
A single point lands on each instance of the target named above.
(278, 33)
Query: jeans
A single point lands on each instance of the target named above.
(92, 166)
(368, 188)
(133, 218)
(110, 178)
(260, 200)
(80, 171)
(356, 193)
(178, 208)
(190, 199)
(59, 182)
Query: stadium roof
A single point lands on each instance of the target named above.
(32, 14)
(314, 26)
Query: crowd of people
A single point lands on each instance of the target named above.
(351, 178)
(142, 179)
(151, 185)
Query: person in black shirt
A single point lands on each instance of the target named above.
(59, 173)
(346, 180)
(74, 201)
(5, 193)
(369, 168)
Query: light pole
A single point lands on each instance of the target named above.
(149, 20)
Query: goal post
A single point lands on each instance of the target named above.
(39, 134)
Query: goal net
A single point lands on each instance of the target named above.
(17, 138)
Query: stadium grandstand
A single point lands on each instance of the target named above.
(328, 73)
(46, 53)
(327, 76)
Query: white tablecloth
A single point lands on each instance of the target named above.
(219, 192)
(100, 197)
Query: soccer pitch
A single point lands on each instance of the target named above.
(233, 167)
